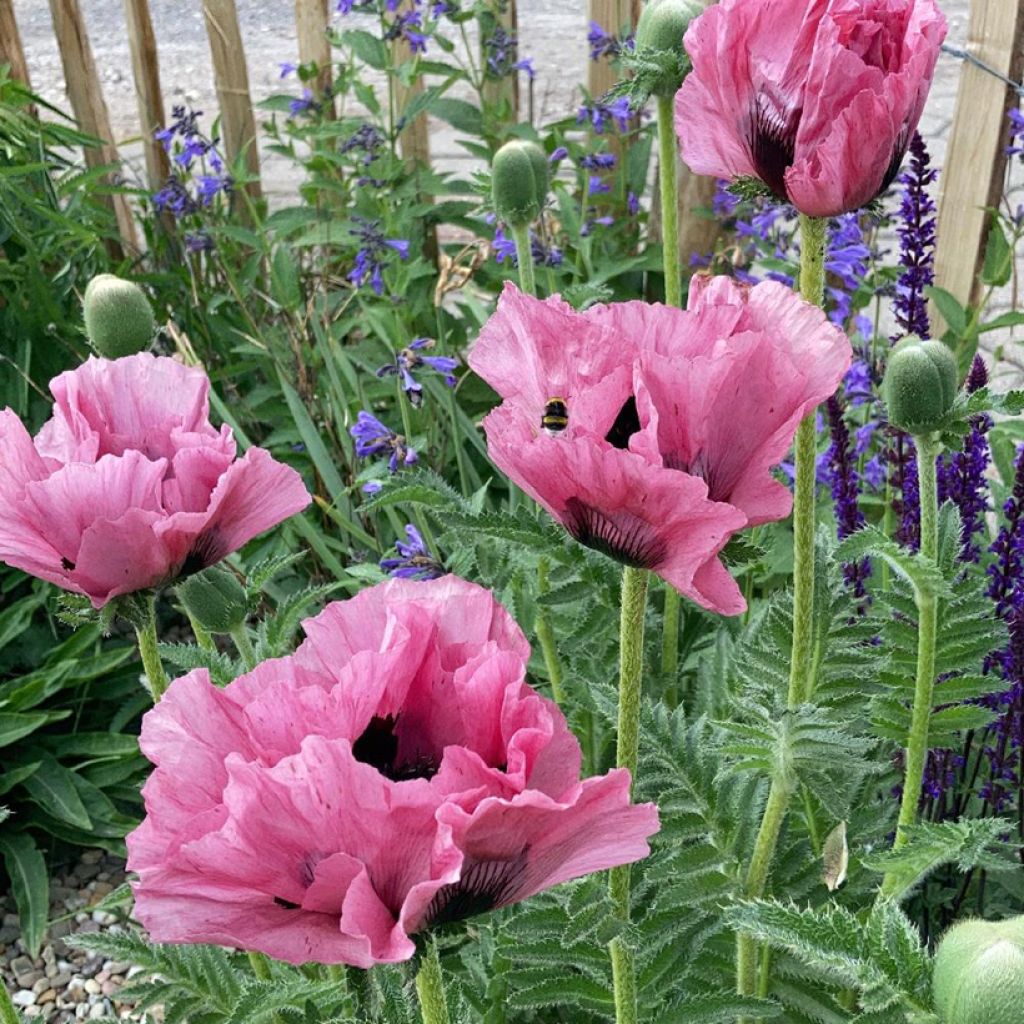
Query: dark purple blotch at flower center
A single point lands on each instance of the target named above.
(773, 144)
(484, 885)
(378, 747)
(208, 549)
(624, 537)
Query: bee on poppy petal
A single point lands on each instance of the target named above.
(556, 416)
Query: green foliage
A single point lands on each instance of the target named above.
(969, 844)
(881, 956)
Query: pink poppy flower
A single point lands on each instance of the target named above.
(674, 419)
(394, 774)
(819, 99)
(128, 484)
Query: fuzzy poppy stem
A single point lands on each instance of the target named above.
(631, 663)
(928, 449)
(148, 651)
(430, 988)
(813, 239)
(668, 178)
(524, 257)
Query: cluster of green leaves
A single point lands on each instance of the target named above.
(70, 768)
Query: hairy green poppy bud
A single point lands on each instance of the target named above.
(979, 973)
(920, 384)
(519, 177)
(661, 28)
(214, 599)
(118, 317)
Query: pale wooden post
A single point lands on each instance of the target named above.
(231, 77)
(697, 234)
(89, 107)
(11, 50)
(414, 139)
(146, 71)
(497, 90)
(976, 161)
(312, 19)
(614, 16)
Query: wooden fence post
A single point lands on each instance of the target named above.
(146, 71)
(231, 77)
(11, 51)
(502, 14)
(414, 139)
(976, 158)
(312, 20)
(89, 107)
(614, 16)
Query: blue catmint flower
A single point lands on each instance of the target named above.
(917, 243)
(902, 460)
(604, 44)
(1007, 571)
(408, 27)
(287, 68)
(501, 49)
(411, 360)
(373, 439)
(414, 561)
(601, 116)
(367, 139)
(373, 254)
(198, 241)
(304, 104)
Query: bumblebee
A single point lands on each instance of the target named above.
(556, 416)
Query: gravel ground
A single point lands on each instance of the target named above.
(64, 984)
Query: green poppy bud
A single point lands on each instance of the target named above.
(519, 177)
(661, 28)
(215, 599)
(920, 385)
(118, 317)
(979, 973)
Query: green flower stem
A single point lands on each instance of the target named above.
(668, 178)
(631, 663)
(814, 236)
(8, 1014)
(546, 637)
(430, 988)
(524, 256)
(146, 634)
(203, 637)
(240, 636)
(928, 449)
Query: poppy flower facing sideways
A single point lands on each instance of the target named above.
(819, 99)
(668, 422)
(128, 485)
(395, 774)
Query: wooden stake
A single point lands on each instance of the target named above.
(11, 50)
(146, 71)
(976, 165)
(312, 20)
(89, 107)
(697, 234)
(414, 139)
(231, 77)
(615, 17)
(502, 14)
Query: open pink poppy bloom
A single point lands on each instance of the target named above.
(817, 98)
(674, 420)
(394, 774)
(128, 484)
